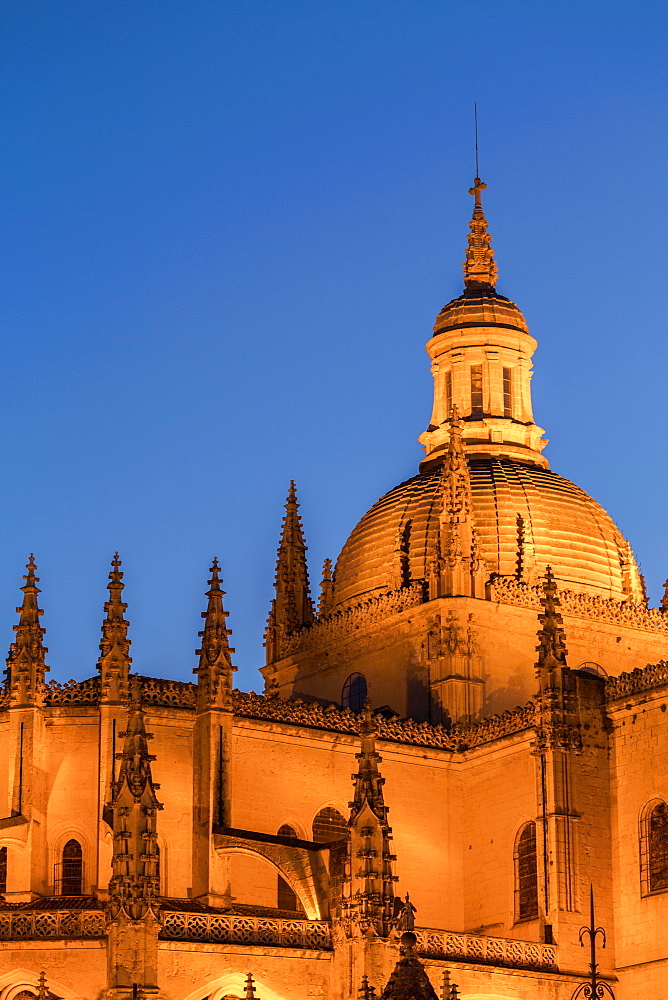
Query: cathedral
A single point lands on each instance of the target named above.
(457, 772)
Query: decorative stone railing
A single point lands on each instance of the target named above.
(636, 681)
(486, 950)
(33, 925)
(73, 692)
(167, 693)
(506, 590)
(234, 929)
(343, 624)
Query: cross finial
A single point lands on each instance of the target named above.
(477, 189)
(480, 269)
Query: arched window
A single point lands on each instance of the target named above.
(287, 897)
(654, 848)
(329, 825)
(3, 870)
(71, 870)
(526, 874)
(354, 692)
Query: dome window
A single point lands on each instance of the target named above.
(354, 692)
(507, 392)
(476, 392)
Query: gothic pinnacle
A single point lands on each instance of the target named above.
(326, 590)
(368, 782)
(480, 270)
(114, 662)
(455, 479)
(551, 646)
(135, 881)
(29, 611)
(26, 656)
(135, 768)
(214, 673)
(293, 606)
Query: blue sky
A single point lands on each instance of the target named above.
(227, 230)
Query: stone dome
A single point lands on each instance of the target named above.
(561, 524)
(480, 306)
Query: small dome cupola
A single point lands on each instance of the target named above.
(481, 362)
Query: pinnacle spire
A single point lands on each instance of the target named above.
(457, 567)
(551, 646)
(368, 783)
(557, 719)
(292, 607)
(214, 673)
(370, 900)
(326, 589)
(664, 600)
(26, 654)
(135, 882)
(135, 770)
(480, 268)
(114, 662)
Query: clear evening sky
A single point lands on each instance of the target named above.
(227, 230)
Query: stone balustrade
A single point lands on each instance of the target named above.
(485, 950)
(33, 925)
(235, 929)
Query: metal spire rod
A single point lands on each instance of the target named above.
(475, 119)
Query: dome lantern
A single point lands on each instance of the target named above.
(481, 362)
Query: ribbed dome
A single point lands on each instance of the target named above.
(561, 525)
(482, 306)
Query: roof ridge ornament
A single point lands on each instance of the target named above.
(480, 270)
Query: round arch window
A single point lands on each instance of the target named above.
(354, 692)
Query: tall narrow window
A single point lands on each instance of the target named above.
(287, 897)
(476, 392)
(526, 873)
(448, 393)
(354, 692)
(3, 870)
(507, 392)
(330, 826)
(71, 869)
(657, 838)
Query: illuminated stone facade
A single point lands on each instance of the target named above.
(240, 843)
